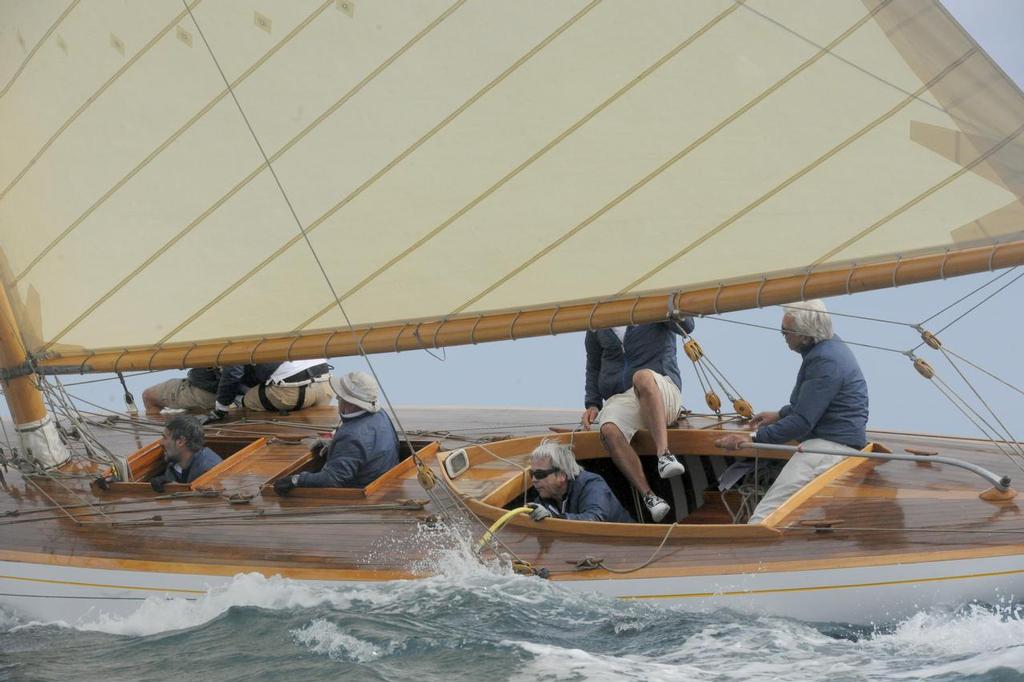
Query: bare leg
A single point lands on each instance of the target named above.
(149, 399)
(652, 408)
(624, 456)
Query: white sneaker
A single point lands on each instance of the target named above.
(656, 506)
(669, 466)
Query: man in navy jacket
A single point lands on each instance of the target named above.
(827, 410)
(185, 452)
(364, 446)
(567, 491)
(633, 383)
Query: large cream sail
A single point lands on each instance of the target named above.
(453, 159)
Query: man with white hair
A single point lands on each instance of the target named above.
(827, 411)
(364, 446)
(567, 491)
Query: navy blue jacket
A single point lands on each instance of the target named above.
(830, 399)
(611, 363)
(363, 448)
(202, 461)
(589, 498)
(235, 380)
(205, 378)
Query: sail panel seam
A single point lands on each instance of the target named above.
(237, 188)
(170, 140)
(92, 98)
(671, 161)
(39, 43)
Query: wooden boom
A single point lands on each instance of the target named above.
(435, 333)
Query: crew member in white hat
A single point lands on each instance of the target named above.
(364, 446)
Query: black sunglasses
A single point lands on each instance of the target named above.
(541, 474)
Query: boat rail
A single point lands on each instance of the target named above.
(1000, 483)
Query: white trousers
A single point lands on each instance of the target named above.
(801, 469)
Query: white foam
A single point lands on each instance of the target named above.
(559, 663)
(157, 615)
(324, 637)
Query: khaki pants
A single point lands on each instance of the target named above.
(179, 394)
(284, 398)
(801, 469)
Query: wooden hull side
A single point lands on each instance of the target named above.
(909, 536)
(858, 595)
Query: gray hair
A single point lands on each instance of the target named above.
(560, 456)
(810, 318)
(184, 426)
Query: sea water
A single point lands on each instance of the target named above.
(474, 622)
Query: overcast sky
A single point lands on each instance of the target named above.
(548, 372)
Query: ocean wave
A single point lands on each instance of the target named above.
(324, 637)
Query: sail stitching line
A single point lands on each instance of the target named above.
(526, 163)
(377, 176)
(92, 98)
(259, 169)
(813, 165)
(670, 162)
(848, 62)
(920, 197)
(39, 43)
(171, 139)
(425, 472)
(298, 222)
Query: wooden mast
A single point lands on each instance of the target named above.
(37, 432)
(394, 337)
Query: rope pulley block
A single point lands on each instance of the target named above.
(930, 339)
(923, 368)
(693, 350)
(743, 408)
(713, 401)
(425, 476)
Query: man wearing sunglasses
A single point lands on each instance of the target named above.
(567, 491)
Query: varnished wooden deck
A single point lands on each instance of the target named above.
(889, 511)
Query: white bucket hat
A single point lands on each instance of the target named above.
(357, 388)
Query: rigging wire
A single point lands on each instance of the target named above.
(330, 285)
(966, 296)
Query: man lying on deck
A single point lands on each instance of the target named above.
(567, 491)
(364, 446)
(828, 409)
(267, 386)
(633, 383)
(185, 452)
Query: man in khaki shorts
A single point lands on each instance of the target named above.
(196, 392)
(633, 383)
(269, 386)
(272, 387)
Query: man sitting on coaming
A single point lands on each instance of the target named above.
(827, 411)
(364, 446)
(185, 452)
(567, 491)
